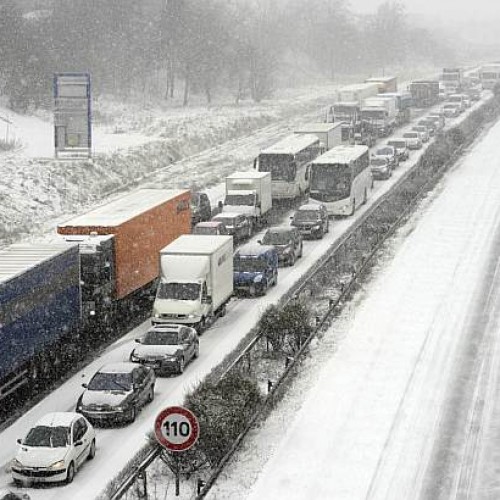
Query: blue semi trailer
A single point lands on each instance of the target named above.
(40, 310)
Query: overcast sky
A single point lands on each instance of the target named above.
(444, 9)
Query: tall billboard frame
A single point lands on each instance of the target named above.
(72, 115)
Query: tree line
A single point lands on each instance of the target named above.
(206, 47)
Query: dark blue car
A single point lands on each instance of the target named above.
(255, 269)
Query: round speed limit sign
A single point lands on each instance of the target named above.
(177, 428)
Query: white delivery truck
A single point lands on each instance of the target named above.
(196, 280)
(249, 193)
(357, 92)
(379, 114)
(329, 134)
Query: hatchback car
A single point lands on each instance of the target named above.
(211, 228)
(429, 124)
(54, 449)
(167, 348)
(401, 147)
(311, 220)
(437, 119)
(237, 225)
(380, 168)
(423, 131)
(287, 241)
(413, 140)
(452, 109)
(388, 153)
(117, 392)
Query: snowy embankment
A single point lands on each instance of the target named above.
(362, 421)
(138, 148)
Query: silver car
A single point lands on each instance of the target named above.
(116, 393)
(167, 348)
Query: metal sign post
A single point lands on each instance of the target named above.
(72, 115)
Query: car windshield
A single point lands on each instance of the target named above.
(205, 230)
(398, 144)
(227, 221)
(47, 437)
(155, 337)
(102, 381)
(384, 151)
(420, 128)
(178, 291)
(411, 135)
(378, 162)
(306, 215)
(240, 199)
(249, 264)
(276, 238)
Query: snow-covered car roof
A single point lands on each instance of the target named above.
(58, 419)
(310, 206)
(124, 367)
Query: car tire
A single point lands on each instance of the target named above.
(151, 395)
(133, 415)
(181, 366)
(301, 251)
(291, 260)
(196, 351)
(70, 475)
(91, 454)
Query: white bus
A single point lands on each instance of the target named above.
(288, 161)
(341, 179)
(490, 75)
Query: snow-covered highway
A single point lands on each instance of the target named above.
(394, 411)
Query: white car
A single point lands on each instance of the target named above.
(424, 132)
(54, 449)
(452, 109)
(413, 139)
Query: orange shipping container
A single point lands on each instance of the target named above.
(142, 222)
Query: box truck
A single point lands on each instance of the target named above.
(329, 134)
(142, 223)
(384, 83)
(249, 193)
(196, 280)
(379, 115)
(357, 92)
(40, 311)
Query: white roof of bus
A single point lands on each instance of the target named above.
(17, 259)
(356, 86)
(250, 174)
(125, 208)
(292, 144)
(381, 79)
(341, 154)
(311, 128)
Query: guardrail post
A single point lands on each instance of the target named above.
(199, 485)
(269, 386)
(141, 487)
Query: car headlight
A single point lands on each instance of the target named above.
(191, 316)
(316, 227)
(133, 356)
(157, 315)
(57, 465)
(257, 278)
(122, 407)
(169, 357)
(287, 251)
(16, 463)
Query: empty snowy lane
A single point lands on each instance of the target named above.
(377, 420)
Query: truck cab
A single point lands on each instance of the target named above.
(255, 269)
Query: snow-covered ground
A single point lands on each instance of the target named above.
(371, 413)
(116, 446)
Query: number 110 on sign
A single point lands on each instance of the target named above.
(177, 428)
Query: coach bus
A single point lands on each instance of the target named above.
(490, 75)
(341, 179)
(288, 161)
